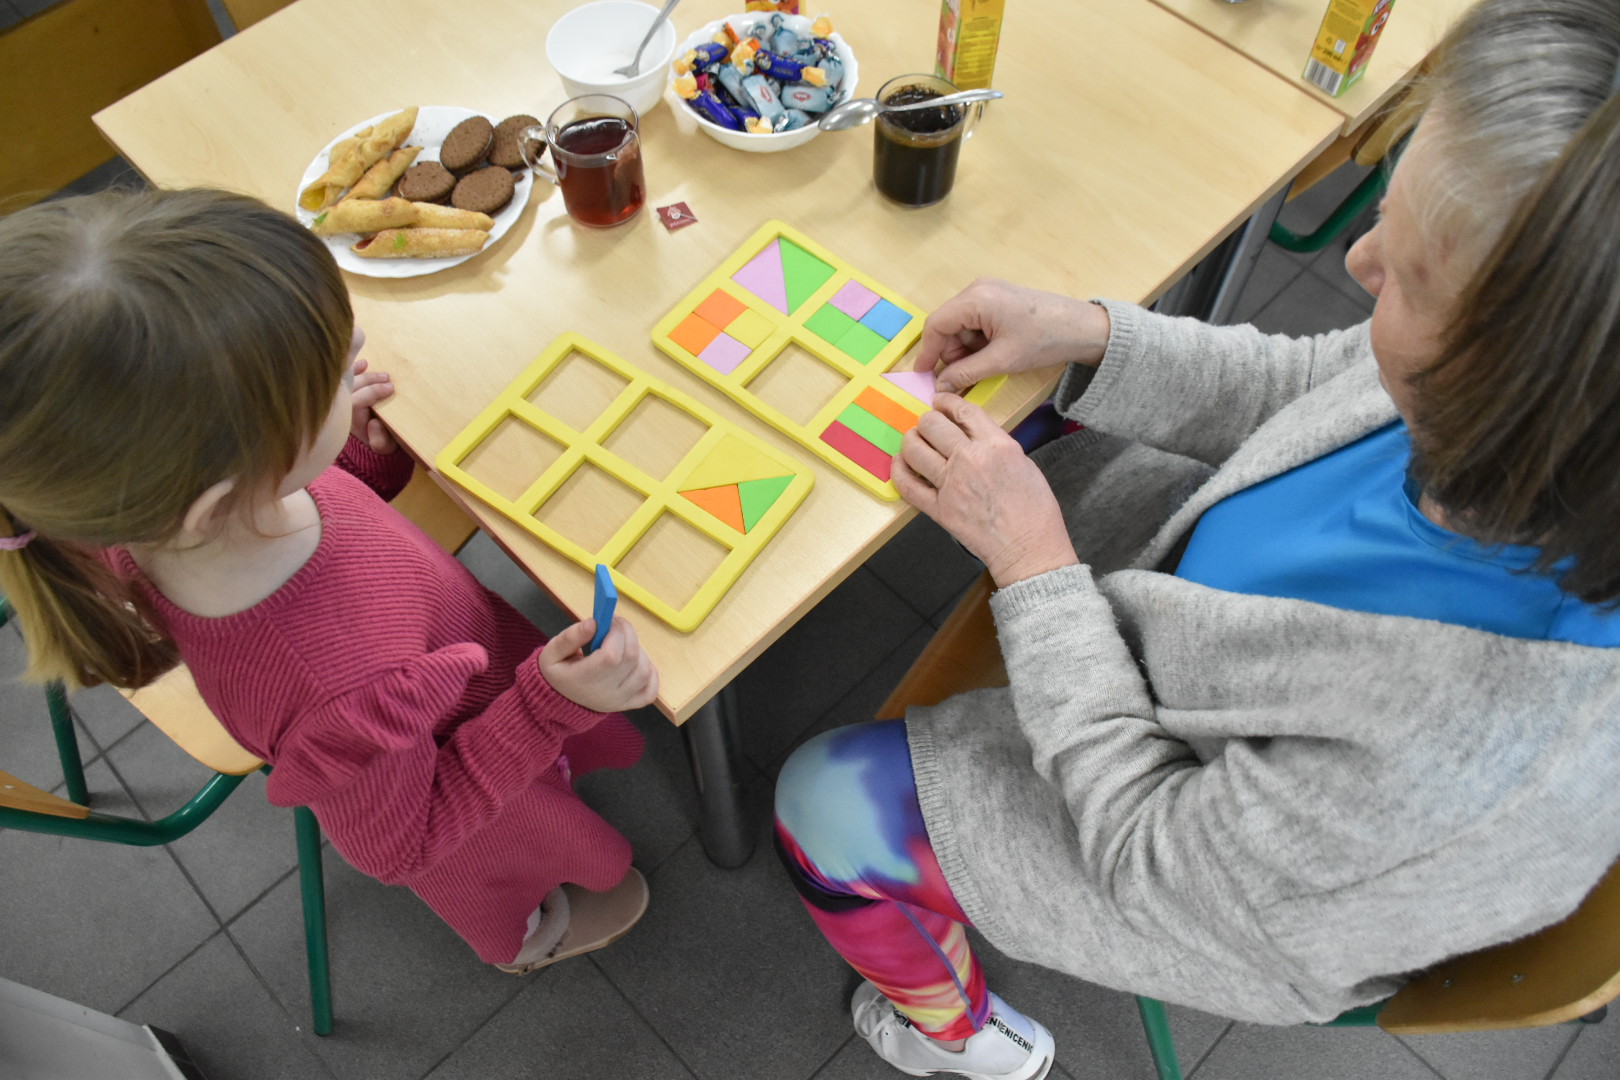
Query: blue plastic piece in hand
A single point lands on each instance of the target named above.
(607, 600)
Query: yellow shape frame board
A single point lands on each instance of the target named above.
(659, 497)
(791, 330)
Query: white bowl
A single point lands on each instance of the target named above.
(585, 45)
(778, 140)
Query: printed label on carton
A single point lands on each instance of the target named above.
(969, 31)
(1344, 43)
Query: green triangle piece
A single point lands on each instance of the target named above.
(758, 497)
(804, 273)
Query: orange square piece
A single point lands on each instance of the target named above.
(719, 308)
(694, 334)
(886, 409)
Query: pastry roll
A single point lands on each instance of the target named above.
(342, 173)
(421, 243)
(343, 146)
(365, 215)
(381, 176)
(432, 216)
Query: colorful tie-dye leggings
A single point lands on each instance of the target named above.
(851, 834)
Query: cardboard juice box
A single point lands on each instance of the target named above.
(1344, 43)
(789, 6)
(969, 31)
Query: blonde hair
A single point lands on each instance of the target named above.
(1517, 422)
(151, 345)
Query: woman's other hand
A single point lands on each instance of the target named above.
(993, 327)
(617, 676)
(367, 388)
(958, 467)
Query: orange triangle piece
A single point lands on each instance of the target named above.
(724, 503)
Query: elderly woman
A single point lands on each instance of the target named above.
(1310, 642)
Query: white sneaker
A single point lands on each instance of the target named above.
(1010, 1046)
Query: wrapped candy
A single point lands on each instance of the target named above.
(822, 27)
(811, 99)
(763, 97)
(687, 86)
(784, 42)
(760, 75)
(712, 109)
(793, 119)
(778, 67)
(708, 55)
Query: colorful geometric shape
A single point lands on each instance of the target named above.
(724, 353)
(858, 450)
(763, 277)
(731, 461)
(862, 343)
(694, 334)
(719, 308)
(887, 409)
(885, 319)
(919, 384)
(829, 324)
(854, 299)
(723, 502)
(803, 272)
(871, 429)
(751, 328)
(758, 496)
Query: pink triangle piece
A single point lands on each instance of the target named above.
(764, 278)
(919, 384)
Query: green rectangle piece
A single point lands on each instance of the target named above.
(829, 324)
(870, 428)
(862, 343)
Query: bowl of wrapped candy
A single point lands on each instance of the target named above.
(760, 81)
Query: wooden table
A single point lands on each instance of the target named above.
(1277, 34)
(1117, 161)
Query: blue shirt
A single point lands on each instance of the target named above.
(1345, 530)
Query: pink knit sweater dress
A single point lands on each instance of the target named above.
(403, 703)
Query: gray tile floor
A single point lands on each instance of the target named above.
(725, 978)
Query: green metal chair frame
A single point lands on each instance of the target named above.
(116, 829)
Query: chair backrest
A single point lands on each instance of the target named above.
(66, 63)
(1557, 974)
(963, 655)
(244, 13)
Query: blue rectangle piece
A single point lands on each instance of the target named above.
(607, 601)
(885, 320)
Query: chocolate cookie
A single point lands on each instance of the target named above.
(428, 182)
(484, 191)
(467, 145)
(505, 152)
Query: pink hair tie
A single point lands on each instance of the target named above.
(16, 543)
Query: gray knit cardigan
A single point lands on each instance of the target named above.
(1269, 809)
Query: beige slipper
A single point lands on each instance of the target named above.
(595, 920)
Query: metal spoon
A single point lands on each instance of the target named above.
(860, 110)
(633, 68)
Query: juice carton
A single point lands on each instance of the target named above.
(968, 33)
(791, 7)
(1345, 41)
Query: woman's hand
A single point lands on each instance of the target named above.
(958, 467)
(617, 676)
(993, 327)
(367, 388)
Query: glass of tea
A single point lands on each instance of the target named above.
(595, 146)
(914, 152)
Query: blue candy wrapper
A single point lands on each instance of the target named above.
(762, 95)
(711, 108)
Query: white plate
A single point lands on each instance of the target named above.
(433, 123)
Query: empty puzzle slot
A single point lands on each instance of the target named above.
(511, 458)
(672, 560)
(589, 507)
(655, 436)
(577, 390)
(797, 384)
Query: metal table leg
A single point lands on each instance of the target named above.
(711, 746)
(1210, 290)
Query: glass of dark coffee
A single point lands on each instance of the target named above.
(596, 158)
(914, 152)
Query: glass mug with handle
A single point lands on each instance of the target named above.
(595, 143)
(914, 152)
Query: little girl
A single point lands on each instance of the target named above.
(178, 376)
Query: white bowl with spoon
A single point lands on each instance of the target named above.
(588, 44)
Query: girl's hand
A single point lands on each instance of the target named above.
(958, 467)
(367, 388)
(617, 676)
(993, 327)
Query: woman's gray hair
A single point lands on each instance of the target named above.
(1515, 81)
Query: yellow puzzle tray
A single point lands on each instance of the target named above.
(810, 346)
(607, 464)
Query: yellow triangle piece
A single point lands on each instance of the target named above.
(730, 462)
